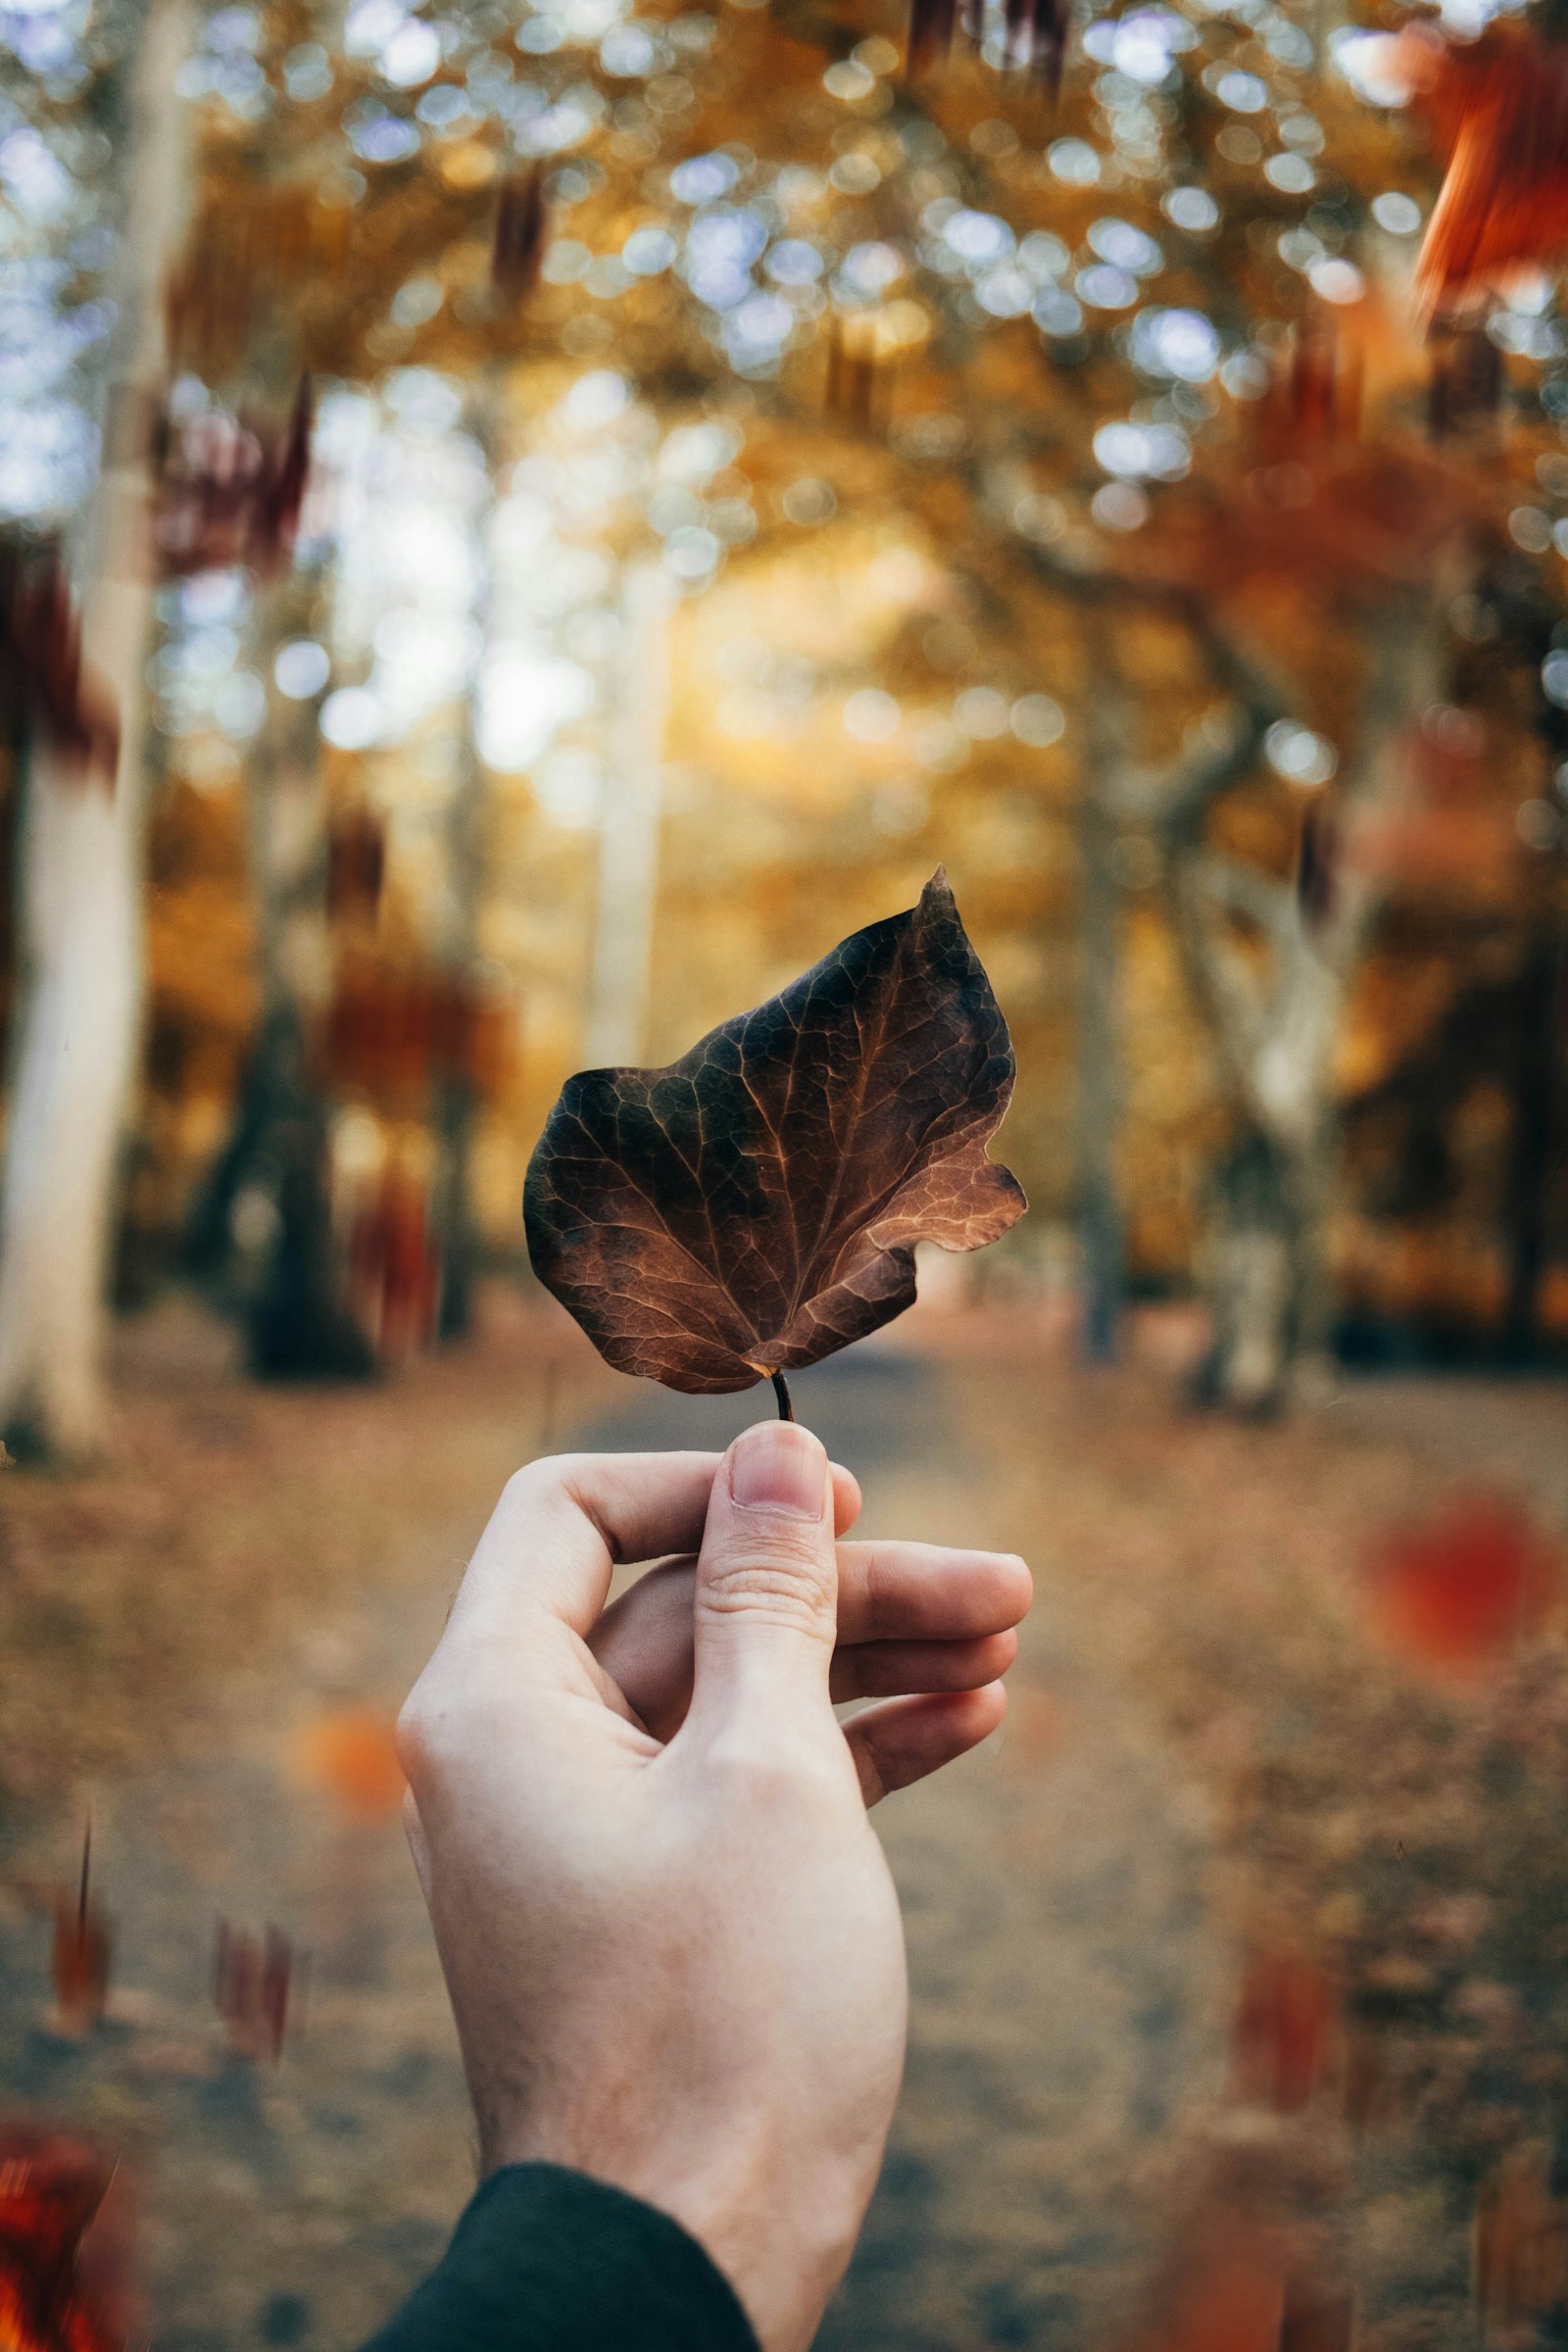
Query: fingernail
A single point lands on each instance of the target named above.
(780, 1467)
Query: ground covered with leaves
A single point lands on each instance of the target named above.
(1239, 1959)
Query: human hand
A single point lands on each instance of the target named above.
(668, 1932)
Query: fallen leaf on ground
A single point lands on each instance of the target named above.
(353, 1757)
(1456, 1589)
(83, 1941)
(1521, 2242)
(253, 1981)
(1283, 2030)
(51, 2190)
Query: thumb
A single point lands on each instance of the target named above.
(766, 1600)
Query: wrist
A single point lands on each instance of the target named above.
(783, 2249)
(781, 2243)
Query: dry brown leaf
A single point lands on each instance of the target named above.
(755, 1205)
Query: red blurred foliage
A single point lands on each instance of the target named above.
(356, 862)
(227, 495)
(392, 1027)
(1285, 2027)
(252, 1985)
(42, 675)
(1316, 502)
(1498, 110)
(54, 2297)
(1368, 520)
(83, 1941)
(523, 226)
(354, 1756)
(1456, 1589)
(395, 1266)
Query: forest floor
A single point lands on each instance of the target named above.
(1240, 1959)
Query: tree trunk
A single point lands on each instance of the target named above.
(1537, 1088)
(1099, 1211)
(79, 926)
(628, 851)
(277, 1161)
(1268, 1290)
(456, 1101)
(1274, 1010)
(455, 1098)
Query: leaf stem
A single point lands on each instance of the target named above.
(781, 1390)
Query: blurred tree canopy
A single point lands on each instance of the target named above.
(745, 472)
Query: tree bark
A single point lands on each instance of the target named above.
(1100, 1205)
(629, 826)
(1251, 1278)
(298, 1320)
(1274, 1007)
(1536, 1089)
(80, 872)
(455, 1102)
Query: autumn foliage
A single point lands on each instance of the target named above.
(1498, 110)
(230, 491)
(1034, 33)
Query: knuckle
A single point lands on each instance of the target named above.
(540, 1491)
(412, 1738)
(553, 1474)
(528, 1485)
(878, 1587)
(775, 1579)
(432, 1732)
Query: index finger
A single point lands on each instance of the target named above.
(566, 1522)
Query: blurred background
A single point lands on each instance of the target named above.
(520, 527)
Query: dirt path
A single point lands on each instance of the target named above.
(1213, 1765)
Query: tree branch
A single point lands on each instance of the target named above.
(1245, 891)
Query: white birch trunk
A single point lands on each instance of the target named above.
(81, 926)
(455, 1102)
(1277, 1029)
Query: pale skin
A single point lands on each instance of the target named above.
(668, 1930)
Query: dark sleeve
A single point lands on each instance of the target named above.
(545, 2260)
